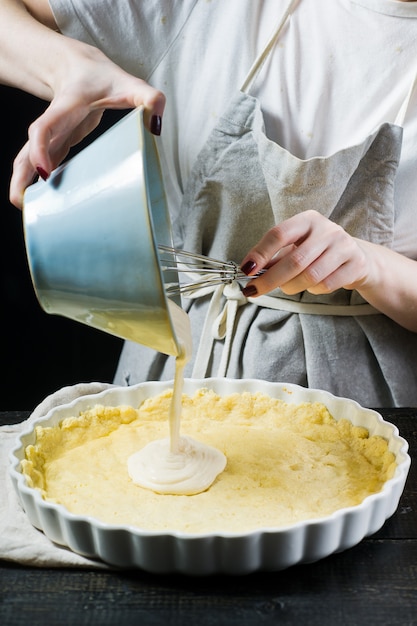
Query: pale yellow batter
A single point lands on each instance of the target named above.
(285, 463)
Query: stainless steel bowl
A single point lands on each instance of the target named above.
(92, 231)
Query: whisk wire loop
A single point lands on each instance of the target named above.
(202, 271)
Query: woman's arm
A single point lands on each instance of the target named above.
(310, 252)
(77, 79)
(29, 47)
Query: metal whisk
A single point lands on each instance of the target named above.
(204, 272)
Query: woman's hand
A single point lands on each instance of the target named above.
(78, 80)
(79, 100)
(308, 252)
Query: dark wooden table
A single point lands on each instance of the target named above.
(374, 583)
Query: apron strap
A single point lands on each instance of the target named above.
(313, 308)
(219, 325)
(258, 63)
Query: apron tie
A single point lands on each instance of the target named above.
(218, 326)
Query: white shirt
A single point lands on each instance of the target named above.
(338, 70)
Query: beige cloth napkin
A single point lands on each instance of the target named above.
(20, 542)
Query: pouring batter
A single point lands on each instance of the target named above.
(178, 464)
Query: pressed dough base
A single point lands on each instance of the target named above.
(285, 463)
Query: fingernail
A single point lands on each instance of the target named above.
(156, 124)
(248, 267)
(249, 291)
(42, 173)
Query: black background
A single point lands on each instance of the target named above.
(40, 353)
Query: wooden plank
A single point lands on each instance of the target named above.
(374, 583)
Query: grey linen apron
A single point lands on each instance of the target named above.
(241, 185)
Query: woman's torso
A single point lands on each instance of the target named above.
(317, 99)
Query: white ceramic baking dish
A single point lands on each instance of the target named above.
(267, 549)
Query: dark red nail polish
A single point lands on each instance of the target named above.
(42, 172)
(156, 124)
(250, 291)
(248, 267)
